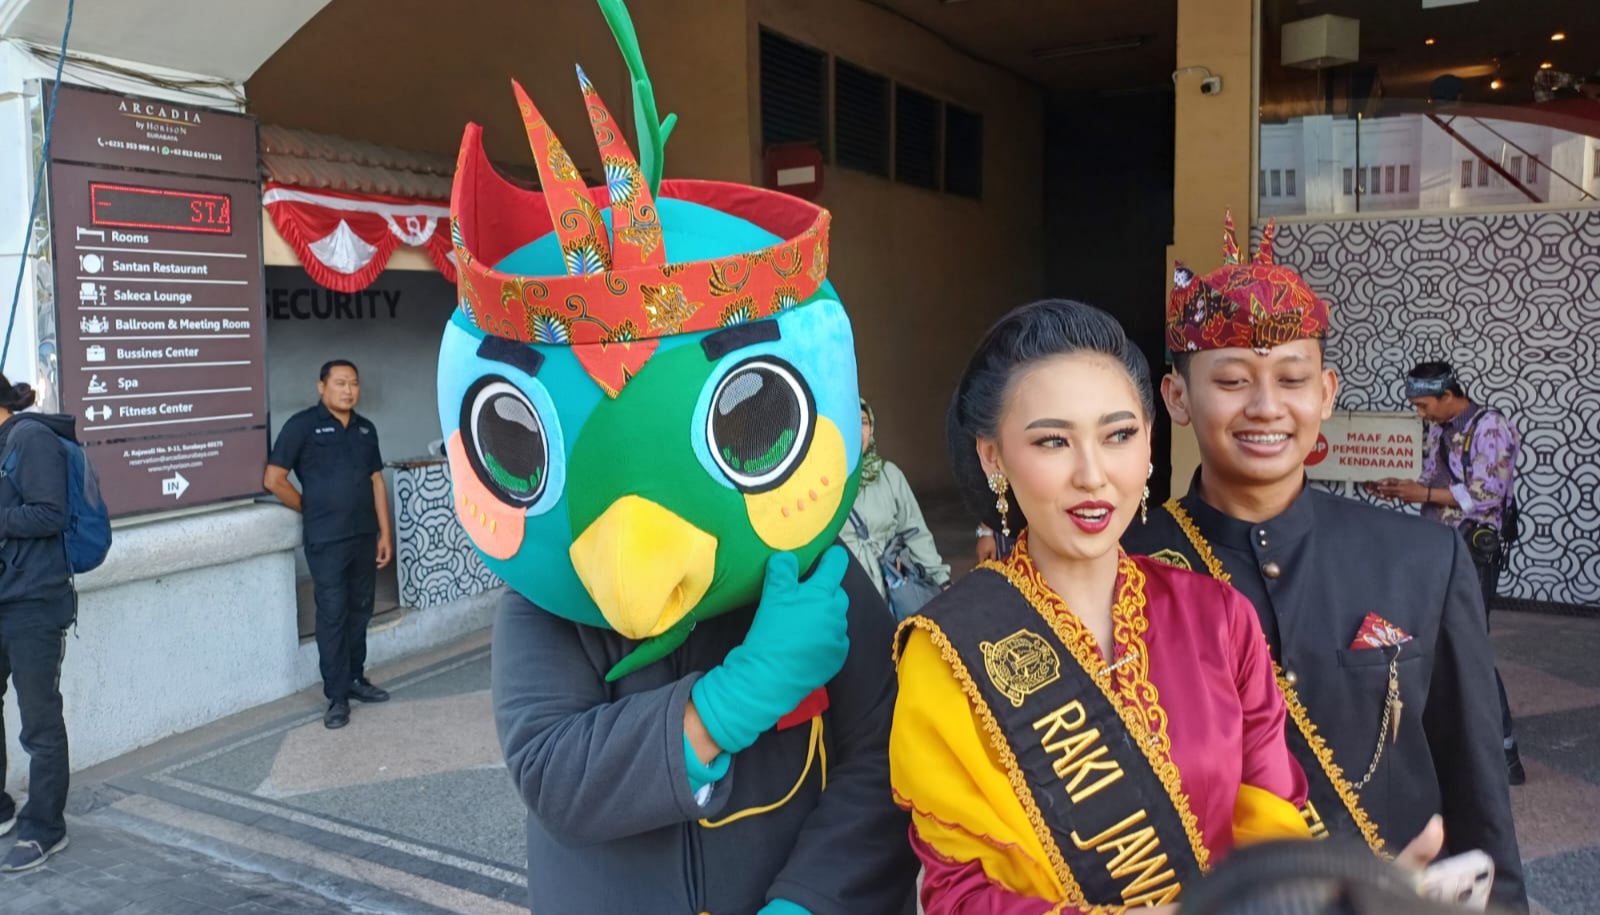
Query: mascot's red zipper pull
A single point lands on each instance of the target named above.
(810, 707)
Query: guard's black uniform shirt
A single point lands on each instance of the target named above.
(1313, 574)
(335, 464)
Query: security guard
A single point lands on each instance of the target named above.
(345, 511)
(1374, 618)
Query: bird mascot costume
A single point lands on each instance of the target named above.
(648, 397)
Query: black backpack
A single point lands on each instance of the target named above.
(87, 538)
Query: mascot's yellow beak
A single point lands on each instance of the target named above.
(643, 566)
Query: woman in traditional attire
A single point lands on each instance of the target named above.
(1077, 729)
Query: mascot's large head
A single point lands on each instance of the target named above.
(648, 388)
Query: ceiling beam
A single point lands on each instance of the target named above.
(224, 38)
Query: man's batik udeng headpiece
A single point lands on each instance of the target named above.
(1255, 305)
(619, 294)
(1431, 387)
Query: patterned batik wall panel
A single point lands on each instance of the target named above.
(1513, 300)
(437, 562)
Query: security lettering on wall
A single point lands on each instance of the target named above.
(315, 303)
(161, 342)
(387, 329)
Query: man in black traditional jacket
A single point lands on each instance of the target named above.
(1375, 618)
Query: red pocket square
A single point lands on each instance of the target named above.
(1377, 632)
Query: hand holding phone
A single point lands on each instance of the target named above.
(1462, 880)
(1383, 489)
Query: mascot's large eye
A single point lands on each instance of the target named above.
(762, 416)
(505, 441)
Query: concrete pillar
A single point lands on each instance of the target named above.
(1213, 151)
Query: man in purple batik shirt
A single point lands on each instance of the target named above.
(1469, 466)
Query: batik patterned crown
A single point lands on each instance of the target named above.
(1256, 305)
(620, 285)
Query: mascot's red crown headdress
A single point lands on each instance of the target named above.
(620, 292)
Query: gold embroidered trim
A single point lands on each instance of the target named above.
(1129, 624)
(1324, 754)
(1291, 699)
(1140, 710)
(1198, 541)
(1002, 748)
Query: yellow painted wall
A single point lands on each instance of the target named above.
(923, 274)
(1213, 150)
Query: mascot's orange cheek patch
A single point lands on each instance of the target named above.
(495, 527)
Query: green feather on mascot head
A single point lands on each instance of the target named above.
(649, 387)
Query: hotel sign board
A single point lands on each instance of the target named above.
(156, 229)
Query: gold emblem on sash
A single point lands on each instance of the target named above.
(1173, 558)
(1021, 664)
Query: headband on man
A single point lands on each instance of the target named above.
(1430, 387)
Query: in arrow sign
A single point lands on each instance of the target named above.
(174, 486)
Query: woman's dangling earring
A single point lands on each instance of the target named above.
(1144, 502)
(999, 486)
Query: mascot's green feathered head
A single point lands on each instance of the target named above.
(648, 388)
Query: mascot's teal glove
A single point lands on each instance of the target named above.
(796, 643)
(783, 907)
(702, 774)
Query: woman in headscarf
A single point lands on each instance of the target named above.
(885, 507)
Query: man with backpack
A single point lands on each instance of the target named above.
(52, 523)
(1469, 468)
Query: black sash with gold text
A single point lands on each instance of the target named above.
(1332, 807)
(1101, 811)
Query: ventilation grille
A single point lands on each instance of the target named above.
(793, 92)
(878, 126)
(860, 119)
(963, 152)
(916, 138)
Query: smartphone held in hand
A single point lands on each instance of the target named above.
(1462, 880)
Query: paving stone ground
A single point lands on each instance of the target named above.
(106, 871)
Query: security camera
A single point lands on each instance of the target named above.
(1211, 85)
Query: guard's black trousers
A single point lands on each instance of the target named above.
(344, 572)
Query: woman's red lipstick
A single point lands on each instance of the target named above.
(1092, 525)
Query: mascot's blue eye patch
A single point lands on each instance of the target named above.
(519, 356)
(771, 385)
(761, 421)
(739, 336)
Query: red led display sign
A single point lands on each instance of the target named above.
(130, 207)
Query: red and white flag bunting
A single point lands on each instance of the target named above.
(344, 240)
